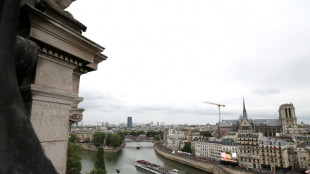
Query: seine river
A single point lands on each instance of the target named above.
(126, 158)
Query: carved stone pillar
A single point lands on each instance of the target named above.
(50, 90)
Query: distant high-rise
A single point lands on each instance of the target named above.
(129, 121)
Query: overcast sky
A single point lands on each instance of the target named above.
(166, 57)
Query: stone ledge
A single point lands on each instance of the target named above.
(40, 93)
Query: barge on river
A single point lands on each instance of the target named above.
(154, 168)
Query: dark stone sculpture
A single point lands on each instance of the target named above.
(20, 149)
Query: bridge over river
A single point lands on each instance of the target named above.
(129, 138)
(137, 140)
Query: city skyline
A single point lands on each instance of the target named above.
(165, 59)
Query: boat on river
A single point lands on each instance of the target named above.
(154, 168)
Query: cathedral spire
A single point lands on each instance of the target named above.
(245, 115)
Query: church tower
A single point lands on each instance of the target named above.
(245, 125)
(288, 118)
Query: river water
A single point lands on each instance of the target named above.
(125, 160)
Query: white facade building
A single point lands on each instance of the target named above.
(208, 148)
(174, 139)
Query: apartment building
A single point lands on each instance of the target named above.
(303, 151)
(274, 154)
(248, 151)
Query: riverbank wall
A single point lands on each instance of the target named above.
(196, 164)
(210, 168)
(107, 149)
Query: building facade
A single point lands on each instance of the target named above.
(303, 151)
(51, 90)
(274, 154)
(248, 152)
(129, 121)
(229, 145)
(208, 148)
(173, 139)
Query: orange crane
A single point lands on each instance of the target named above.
(219, 106)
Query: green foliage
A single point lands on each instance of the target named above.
(100, 159)
(195, 130)
(72, 137)
(74, 164)
(98, 138)
(206, 133)
(187, 147)
(136, 133)
(141, 132)
(98, 171)
(133, 133)
(122, 135)
(115, 140)
(155, 133)
(161, 134)
(156, 138)
(108, 139)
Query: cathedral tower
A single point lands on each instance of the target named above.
(288, 118)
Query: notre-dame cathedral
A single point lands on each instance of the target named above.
(287, 123)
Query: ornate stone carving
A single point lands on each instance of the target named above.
(76, 115)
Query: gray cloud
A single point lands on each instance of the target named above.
(97, 100)
(266, 91)
(260, 52)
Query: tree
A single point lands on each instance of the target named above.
(156, 138)
(187, 147)
(109, 139)
(100, 160)
(133, 133)
(98, 171)
(72, 138)
(74, 164)
(116, 140)
(206, 133)
(98, 138)
(154, 133)
(122, 135)
(161, 134)
(141, 132)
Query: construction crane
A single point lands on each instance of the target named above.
(219, 106)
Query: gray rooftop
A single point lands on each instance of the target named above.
(267, 122)
(248, 135)
(229, 123)
(271, 141)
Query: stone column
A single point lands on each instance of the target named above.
(50, 91)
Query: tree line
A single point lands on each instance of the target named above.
(114, 140)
